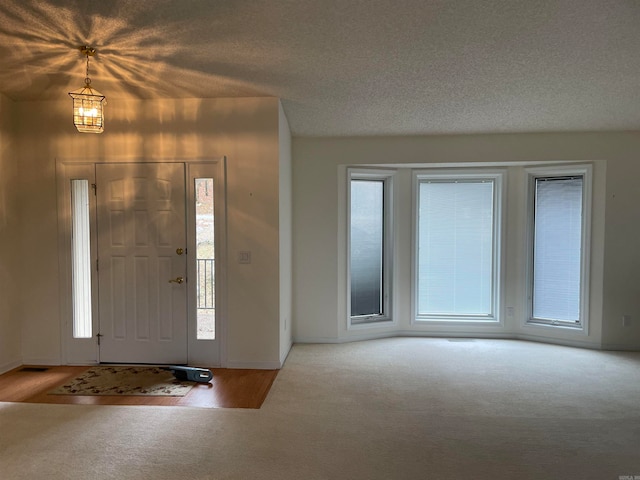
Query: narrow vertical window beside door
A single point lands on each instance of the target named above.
(557, 250)
(205, 259)
(81, 259)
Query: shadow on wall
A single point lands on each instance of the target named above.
(3, 187)
(161, 129)
(8, 165)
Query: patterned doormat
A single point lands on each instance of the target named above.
(125, 381)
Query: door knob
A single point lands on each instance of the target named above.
(177, 280)
(179, 251)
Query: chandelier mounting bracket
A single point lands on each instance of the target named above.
(88, 51)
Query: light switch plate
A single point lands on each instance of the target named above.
(244, 257)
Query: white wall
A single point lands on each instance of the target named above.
(285, 224)
(319, 252)
(10, 328)
(246, 130)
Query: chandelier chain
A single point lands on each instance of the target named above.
(88, 104)
(87, 80)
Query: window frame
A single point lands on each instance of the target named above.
(499, 177)
(75, 350)
(85, 350)
(386, 177)
(533, 173)
(83, 268)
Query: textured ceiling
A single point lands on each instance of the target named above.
(345, 67)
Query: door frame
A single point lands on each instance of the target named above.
(84, 351)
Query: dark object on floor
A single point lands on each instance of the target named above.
(192, 374)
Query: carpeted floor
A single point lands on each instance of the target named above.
(389, 409)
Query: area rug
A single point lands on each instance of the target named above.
(153, 381)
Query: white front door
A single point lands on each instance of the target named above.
(142, 267)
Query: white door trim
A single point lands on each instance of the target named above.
(74, 351)
(199, 351)
(84, 351)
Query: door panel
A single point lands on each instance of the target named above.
(141, 223)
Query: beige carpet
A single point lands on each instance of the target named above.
(405, 408)
(125, 380)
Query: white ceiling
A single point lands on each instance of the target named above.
(345, 67)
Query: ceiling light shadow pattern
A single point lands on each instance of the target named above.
(197, 49)
(146, 50)
(34, 50)
(344, 67)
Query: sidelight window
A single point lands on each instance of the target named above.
(81, 259)
(205, 259)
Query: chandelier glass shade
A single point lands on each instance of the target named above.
(88, 103)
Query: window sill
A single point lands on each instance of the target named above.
(557, 326)
(373, 323)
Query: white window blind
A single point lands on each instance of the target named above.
(557, 248)
(367, 247)
(456, 248)
(81, 259)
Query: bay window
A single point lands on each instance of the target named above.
(369, 246)
(457, 246)
(559, 212)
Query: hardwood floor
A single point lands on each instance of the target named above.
(230, 388)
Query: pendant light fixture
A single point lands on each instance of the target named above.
(88, 103)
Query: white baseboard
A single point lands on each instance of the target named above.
(497, 335)
(558, 341)
(285, 353)
(360, 336)
(401, 333)
(488, 335)
(350, 338)
(318, 340)
(619, 347)
(41, 361)
(4, 368)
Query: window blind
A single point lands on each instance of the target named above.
(557, 248)
(455, 247)
(81, 259)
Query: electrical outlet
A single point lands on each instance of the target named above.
(510, 311)
(626, 320)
